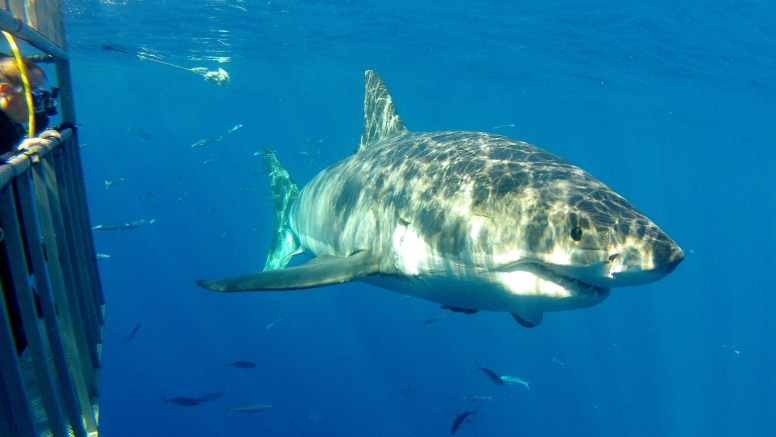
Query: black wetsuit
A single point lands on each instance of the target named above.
(11, 134)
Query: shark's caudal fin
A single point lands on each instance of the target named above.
(284, 192)
(323, 270)
(380, 118)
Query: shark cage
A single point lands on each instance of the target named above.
(52, 307)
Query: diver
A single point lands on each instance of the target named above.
(14, 111)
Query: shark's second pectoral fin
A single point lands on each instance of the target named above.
(529, 319)
(323, 270)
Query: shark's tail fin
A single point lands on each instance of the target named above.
(284, 193)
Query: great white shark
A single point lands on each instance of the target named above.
(471, 220)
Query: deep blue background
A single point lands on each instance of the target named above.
(670, 103)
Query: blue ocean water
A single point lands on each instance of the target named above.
(669, 103)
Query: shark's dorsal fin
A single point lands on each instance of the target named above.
(380, 118)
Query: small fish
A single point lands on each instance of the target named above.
(212, 160)
(112, 226)
(235, 128)
(180, 199)
(502, 126)
(198, 69)
(274, 323)
(407, 391)
(186, 402)
(205, 142)
(152, 221)
(211, 209)
(210, 397)
(434, 319)
(242, 364)
(558, 362)
(142, 134)
(405, 297)
(225, 234)
(477, 398)
(132, 334)
(253, 408)
(461, 417)
(102, 256)
(246, 189)
(82, 145)
(516, 380)
(731, 347)
(117, 181)
(311, 141)
(308, 154)
(179, 176)
(491, 375)
(134, 224)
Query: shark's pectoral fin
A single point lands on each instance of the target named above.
(323, 270)
(529, 319)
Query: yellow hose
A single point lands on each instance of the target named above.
(27, 90)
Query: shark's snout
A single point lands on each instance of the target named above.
(667, 259)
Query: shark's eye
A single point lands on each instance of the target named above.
(576, 233)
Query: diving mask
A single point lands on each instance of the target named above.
(46, 102)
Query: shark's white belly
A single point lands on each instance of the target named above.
(470, 282)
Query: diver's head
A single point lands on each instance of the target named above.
(13, 100)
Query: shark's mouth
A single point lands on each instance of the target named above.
(576, 286)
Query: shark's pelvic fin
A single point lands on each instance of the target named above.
(529, 319)
(323, 270)
(284, 192)
(380, 118)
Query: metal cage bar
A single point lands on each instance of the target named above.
(20, 229)
(52, 279)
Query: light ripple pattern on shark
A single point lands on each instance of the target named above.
(470, 220)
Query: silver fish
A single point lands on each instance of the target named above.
(116, 182)
(491, 375)
(274, 323)
(132, 334)
(235, 128)
(477, 398)
(134, 224)
(434, 319)
(142, 134)
(206, 141)
(252, 408)
(516, 380)
(112, 226)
